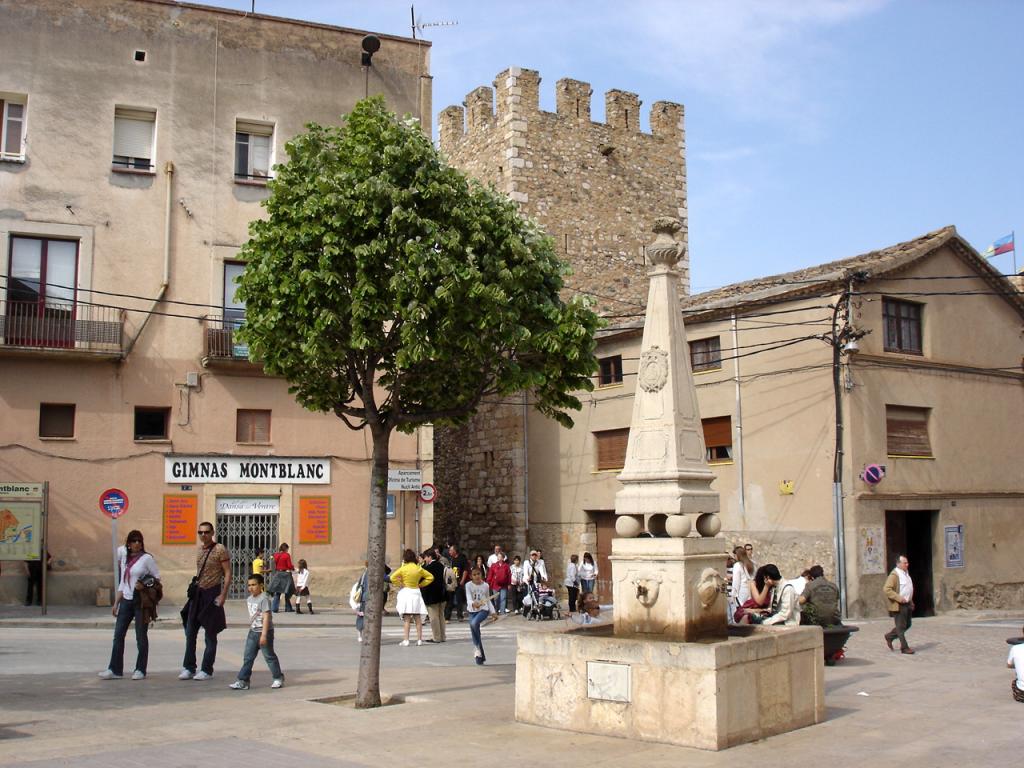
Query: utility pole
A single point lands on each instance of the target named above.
(843, 338)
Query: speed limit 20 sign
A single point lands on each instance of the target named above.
(428, 492)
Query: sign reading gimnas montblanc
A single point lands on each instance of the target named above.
(246, 469)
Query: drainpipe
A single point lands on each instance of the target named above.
(739, 423)
(526, 466)
(169, 172)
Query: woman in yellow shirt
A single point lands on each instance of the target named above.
(410, 577)
(257, 563)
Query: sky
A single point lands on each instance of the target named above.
(816, 129)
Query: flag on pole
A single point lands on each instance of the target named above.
(1002, 245)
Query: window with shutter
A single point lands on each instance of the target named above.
(12, 128)
(611, 448)
(706, 354)
(252, 426)
(906, 431)
(901, 326)
(56, 420)
(254, 144)
(133, 138)
(610, 370)
(718, 438)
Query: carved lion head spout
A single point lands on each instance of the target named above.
(647, 588)
(710, 586)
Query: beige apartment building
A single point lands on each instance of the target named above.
(932, 400)
(137, 140)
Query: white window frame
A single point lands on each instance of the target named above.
(252, 130)
(129, 126)
(7, 100)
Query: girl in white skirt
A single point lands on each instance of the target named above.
(410, 577)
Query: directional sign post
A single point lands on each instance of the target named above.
(113, 504)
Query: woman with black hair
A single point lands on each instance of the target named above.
(135, 564)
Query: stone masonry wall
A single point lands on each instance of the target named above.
(480, 471)
(596, 189)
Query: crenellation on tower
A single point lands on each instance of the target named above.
(518, 93)
(622, 110)
(451, 127)
(572, 99)
(667, 119)
(480, 108)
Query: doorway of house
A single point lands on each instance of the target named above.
(912, 533)
(605, 521)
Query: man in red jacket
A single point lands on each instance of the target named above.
(499, 577)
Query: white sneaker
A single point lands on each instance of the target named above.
(184, 675)
(239, 685)
(404, 643)
(279, 683)
(138, 674)
(359, 639)
(106, 674)
(200, 675)
(419, 642)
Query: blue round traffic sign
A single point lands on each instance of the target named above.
(113, 503)
(873, 474)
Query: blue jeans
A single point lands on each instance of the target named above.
(128, 611)
(502, 599)
(587, 585)
(252, 648)
(276, 603)
(475, 620)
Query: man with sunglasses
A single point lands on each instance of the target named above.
(206, 609)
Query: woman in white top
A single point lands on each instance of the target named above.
(742, 574)
(572, 581)
(134, 564)
(588, 573)
(302, 588)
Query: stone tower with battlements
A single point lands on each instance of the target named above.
(595, 188)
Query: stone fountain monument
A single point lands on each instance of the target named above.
(667, 669)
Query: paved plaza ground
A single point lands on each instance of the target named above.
(947, 705)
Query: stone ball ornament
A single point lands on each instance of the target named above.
(708, 525)
(678, 526)
(628, 526)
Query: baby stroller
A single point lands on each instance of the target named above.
(540, 604)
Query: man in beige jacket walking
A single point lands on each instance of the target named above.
(899, 589)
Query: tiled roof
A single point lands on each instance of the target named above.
(831, 277)
(813, 279)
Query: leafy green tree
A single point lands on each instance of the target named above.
(393, 292)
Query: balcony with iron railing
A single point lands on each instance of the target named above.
(60, 328)
(224, 349)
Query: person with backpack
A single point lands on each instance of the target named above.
(435, 595)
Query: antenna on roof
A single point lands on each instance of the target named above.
(419, 24)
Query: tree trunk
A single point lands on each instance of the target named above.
(368, 690)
